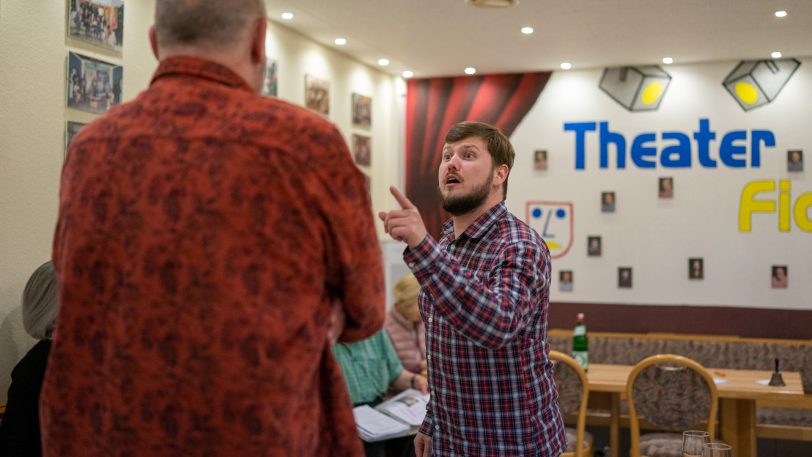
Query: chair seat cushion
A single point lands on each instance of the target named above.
(572, 435)
(661, 444)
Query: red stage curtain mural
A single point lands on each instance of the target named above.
(433, 105)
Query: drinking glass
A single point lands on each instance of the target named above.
(692, 442)
(717, 449)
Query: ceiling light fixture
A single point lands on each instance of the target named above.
(781, 13)
(566, 66)
(287, 16)
(492, 3)
(527, 30)
(407, 74)
(383, 62)
(668, 60)
(776, 54)
(341, 41)
(470, 70)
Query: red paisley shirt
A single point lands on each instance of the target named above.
(204, 233)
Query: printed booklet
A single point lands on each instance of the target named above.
(392, 418)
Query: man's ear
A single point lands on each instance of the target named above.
(501, 174)
(258, 41)
(153, 42)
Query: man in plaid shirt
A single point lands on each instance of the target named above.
(484, 300)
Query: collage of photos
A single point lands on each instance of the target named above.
(93, 85)
(99, 22)
(270, 83)
(361, 111)
(361, 116)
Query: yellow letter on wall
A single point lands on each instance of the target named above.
(748, 206)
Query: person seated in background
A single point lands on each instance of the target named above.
(371, 369)
(405, 327)
(19, 431)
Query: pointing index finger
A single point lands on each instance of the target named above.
(402, 200)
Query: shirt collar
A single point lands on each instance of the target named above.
(200, 68)
(480, 226)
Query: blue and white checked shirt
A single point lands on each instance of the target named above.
(484, 299)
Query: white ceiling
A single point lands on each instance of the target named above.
(442, 37)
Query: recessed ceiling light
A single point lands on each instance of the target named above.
(287, 16)
(383, 62)
(341, 41)
(492, 3)
(408, 74)
(776, 54)
(668, 60)
(566, 66)
(781, 13)
(470, 70)
(527, 30)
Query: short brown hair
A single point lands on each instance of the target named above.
(499, 146)
(215, 23)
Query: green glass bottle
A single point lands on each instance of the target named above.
(580, 343)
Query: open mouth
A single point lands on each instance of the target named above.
(452, 180)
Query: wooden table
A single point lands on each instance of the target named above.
(737, 400)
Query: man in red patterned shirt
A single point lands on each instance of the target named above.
(484, 299)
(206, 237)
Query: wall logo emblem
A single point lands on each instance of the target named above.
(755, 83)
(554, 222)
(636, 88)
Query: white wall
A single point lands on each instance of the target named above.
(654, 236)
(34, 50)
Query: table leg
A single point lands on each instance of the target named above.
(614, 424)
(738, 425)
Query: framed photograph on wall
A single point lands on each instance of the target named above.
(795, 160)
(317, 94)
(624, 277)
(100, 22)
(71, 129)
(540, 159)
(565, 279)
(666, 187)
(780, 277)
(593, 246)
(361, 111)
(270, 83)
(362, 149)
(696, 268)
(93, 85)
(607, 202)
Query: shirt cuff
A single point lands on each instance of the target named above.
(421, 256)
(427, 427)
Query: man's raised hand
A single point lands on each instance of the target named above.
(404, 224)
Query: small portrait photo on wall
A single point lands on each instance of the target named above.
(565, 281)
(317, 94)
(540, 159)
(780, 277)
(666, 187)
(593, 246)
(696, 268)
(270, 82)
(624, 277)
(361, 111)
(361, 149)
(795, 160)
(607, 202)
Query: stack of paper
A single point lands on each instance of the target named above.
(375, 426)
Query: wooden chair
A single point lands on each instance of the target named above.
(673, 393)
(573, 395)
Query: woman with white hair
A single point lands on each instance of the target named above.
(19, 431)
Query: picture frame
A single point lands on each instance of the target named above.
(696, 268)
(540, 159)
(779, 278)
(565, 281)
(317, 94)
(795, 160)
(362, 149)
(270, 83)
(71, 129)
(624, 277)
(594, 246)
(93, 85)
(361, 111)
(607, 202)
(665, 187)
(98, 22)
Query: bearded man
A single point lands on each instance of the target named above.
(484, 300)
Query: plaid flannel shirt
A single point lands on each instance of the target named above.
(484, 300)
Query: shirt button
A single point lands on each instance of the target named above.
(437, 427)
(410, 264)
(428, 357)
(431, 319)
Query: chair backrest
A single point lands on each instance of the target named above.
(573, 393)
(672, 392)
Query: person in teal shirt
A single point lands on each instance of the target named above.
(372, 368)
